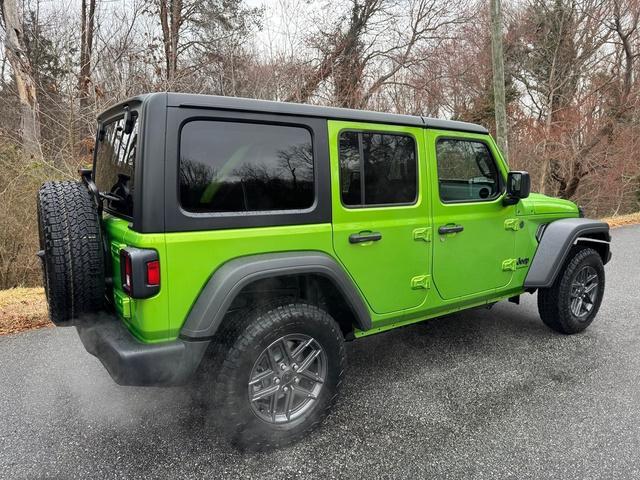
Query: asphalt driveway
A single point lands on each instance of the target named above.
(483, 394)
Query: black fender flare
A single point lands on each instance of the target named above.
(557, 239)
(217, 295)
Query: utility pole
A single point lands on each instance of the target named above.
(497, 60)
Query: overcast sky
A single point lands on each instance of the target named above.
(282, 20)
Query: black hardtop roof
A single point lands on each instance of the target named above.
(300, 109)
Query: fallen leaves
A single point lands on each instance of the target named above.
(22, 309)
(621, 220)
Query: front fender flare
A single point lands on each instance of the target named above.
(557, 239)
(216, 297)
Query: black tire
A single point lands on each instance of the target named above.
(240, 344)
(554, 304)
(71, 251)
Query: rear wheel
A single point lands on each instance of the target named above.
(278, 374)
(573, 301)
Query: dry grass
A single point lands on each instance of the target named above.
(22, 309)
(619, 221)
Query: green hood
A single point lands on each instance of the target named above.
(539, 204)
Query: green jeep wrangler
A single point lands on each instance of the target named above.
(238, 243)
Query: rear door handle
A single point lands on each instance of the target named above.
(444, 229)
(365, 237)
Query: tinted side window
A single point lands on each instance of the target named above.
(466, 171)
(388, 164)
(245, 167)
(350, 168)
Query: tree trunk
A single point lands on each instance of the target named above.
(343, 60)
(546, 161)
(170, 22)
(86, 48)
(498, 77)
(25, 84)
(176, 22)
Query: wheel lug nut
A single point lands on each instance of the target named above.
(285, 389)
(276, 380)
(283, 366)
(296, 380)
(295, 367)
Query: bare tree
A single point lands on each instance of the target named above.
(624, 24)
(172, 18)
(559, 46)
(23, 74)
(571, 81)
(199, 27)
(380, 39)
(87, 20)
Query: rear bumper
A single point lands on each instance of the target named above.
(130, 362)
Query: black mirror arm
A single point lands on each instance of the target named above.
(509, 200)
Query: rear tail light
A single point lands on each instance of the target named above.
(139, 272)
(153, 273)
(125, 263)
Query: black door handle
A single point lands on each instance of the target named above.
(443, 230)
(365, 237)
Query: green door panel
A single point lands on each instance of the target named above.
(393, 272)
(470, 261)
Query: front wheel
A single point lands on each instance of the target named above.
(572, 302)
(280, 369)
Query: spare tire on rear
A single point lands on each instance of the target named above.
(71, 251)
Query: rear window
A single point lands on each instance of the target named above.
(245, 167)
(115, 165)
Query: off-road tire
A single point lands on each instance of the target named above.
(239, 343)
(71, 251)
(554, 303)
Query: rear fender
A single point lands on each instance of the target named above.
(214, 301)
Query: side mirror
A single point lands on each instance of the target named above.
(518, 186)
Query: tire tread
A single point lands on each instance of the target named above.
(553, 312)
(71, 238)
(235, 337)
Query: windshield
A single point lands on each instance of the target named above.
(114, 165)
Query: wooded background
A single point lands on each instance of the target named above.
(571, 72)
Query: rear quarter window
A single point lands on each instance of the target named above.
(245, 167)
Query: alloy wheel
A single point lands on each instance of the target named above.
(287, 378)
(584, 291)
